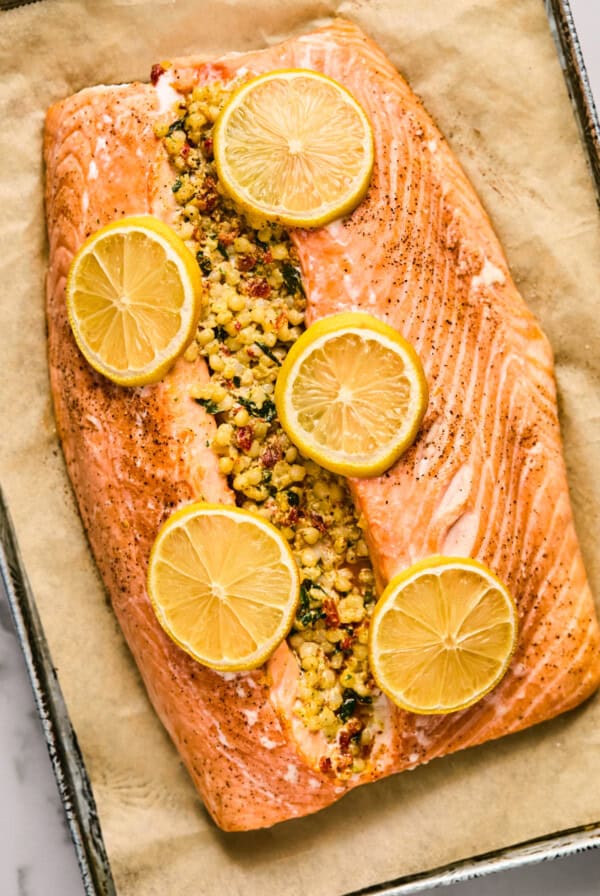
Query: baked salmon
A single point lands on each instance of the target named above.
(485, 478)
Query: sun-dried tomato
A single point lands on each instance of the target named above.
(209, 196)
(246, 262)
(346, 643)
(209, 203)
(271, 455)
(259, 288)
(344, 740)
(347, 733)
(155, 72)
(292, 517)
(243, 437)
(332, 619)
(318, 522)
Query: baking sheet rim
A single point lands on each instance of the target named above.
(69, 768)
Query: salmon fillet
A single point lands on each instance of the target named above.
(484, 479)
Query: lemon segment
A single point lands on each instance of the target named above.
(294, 147)
(224, 585)
(442, 635)
(133, 299)
(351, 394)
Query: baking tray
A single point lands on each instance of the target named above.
(69, 768)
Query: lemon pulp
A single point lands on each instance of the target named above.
(224, 585)
(351, 394)
(294, 147)
(442, 635)
(133, 299)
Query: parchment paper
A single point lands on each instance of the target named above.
(489, 74)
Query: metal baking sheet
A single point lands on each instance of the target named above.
(69, 768)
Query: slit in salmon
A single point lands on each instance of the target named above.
(255, 313)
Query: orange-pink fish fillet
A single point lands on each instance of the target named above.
(485, 477)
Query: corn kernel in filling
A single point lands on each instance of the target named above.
(255, 312)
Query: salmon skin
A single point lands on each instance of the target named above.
(485, 477)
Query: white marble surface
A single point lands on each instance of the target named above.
(36, 853)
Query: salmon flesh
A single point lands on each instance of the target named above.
(484, 479)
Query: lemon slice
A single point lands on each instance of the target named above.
(224, 585)
(133, 299)
(295, 147)
(351, 394)
(442, 635)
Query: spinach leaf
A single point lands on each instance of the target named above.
(350, 693)
(178, 125)
(267, 412)
(267, 351)
(311, 616)
(204, 262)
(292, 278)
(208, 404)
(346, 709)
(307, 614)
